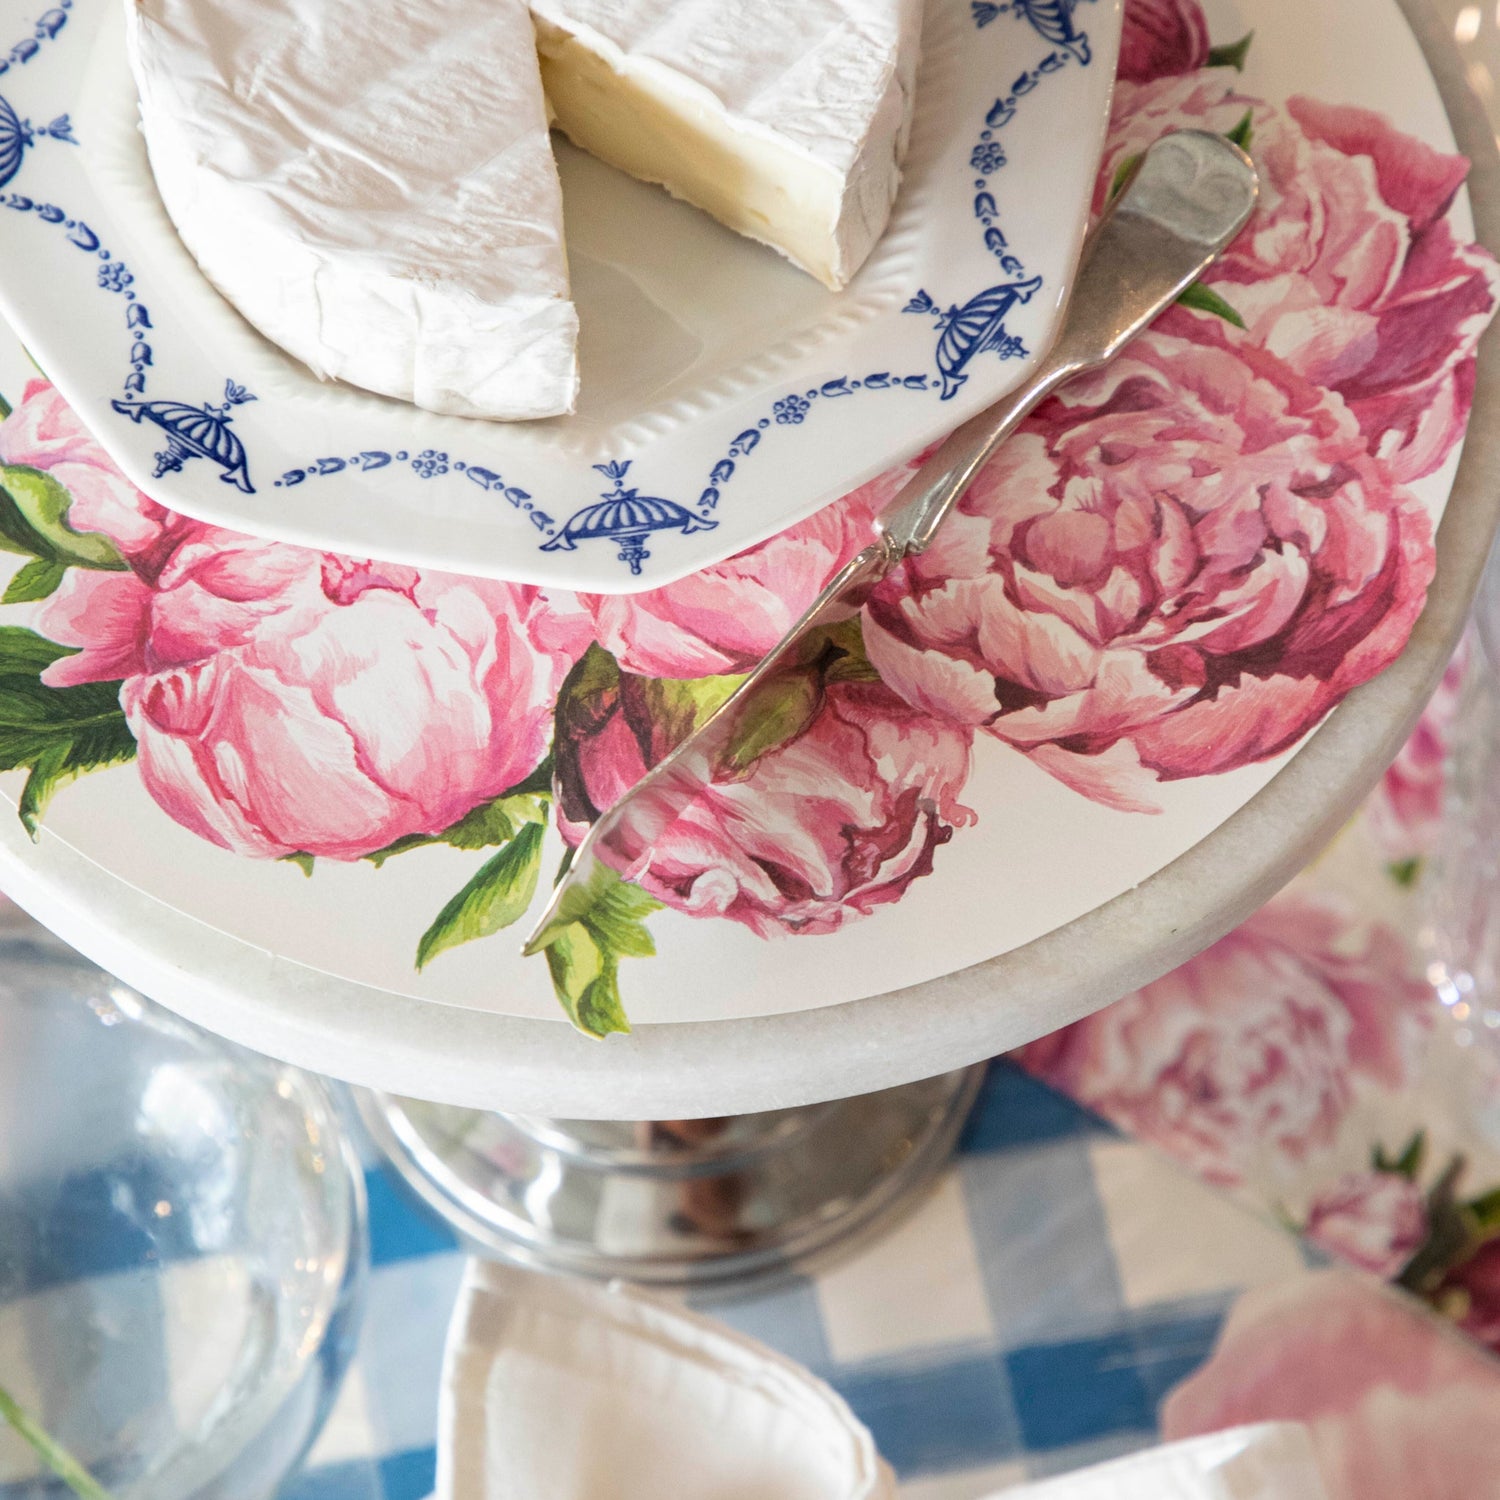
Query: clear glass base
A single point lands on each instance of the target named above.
(678, 1202)
(1459, 890)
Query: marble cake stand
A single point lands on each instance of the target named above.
(690, 1200)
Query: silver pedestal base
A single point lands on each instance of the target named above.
(673, 1203)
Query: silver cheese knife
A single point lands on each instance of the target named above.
(1188, 197)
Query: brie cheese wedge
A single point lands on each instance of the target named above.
(371, 183)
(785, 122)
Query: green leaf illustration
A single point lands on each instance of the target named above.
(586, 980)
(33, 520)
(495, 822)
(1485, 1213)
(580, 900)
(1243, 134)
(673, 707)
(601, 922)
(575, 962)
(25, 651)
(1450, 1235)
(1405, 871)
(596, 672)
(483, 827)
(658, 712)
(1205, 299)
(497, 895)
(780, 709)
(1123, 174)
(774, 714)
(303, 861)
(846, 657)
(600, 1011)
(586, 983)
(55, 733)
(1408, 1164)
(35, 580)
(49, 1450)
(617, 919)
(1233, 55)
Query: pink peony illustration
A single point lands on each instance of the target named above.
(42, 433)
(1177, 567)
(285, 700)
(1399, 1405)
(1350, 272)
(725, 617)
(1375, 1221)
(1404, 813)
(1247, 1056)
(1161, 38)
(818, 831)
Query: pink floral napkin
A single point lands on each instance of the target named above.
(1269, 1461)
(1304, 1060)
(1399, 1406)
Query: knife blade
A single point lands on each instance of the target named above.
(1186, 199)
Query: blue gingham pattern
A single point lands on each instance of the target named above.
(1027, 1319)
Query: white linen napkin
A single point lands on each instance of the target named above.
(555, 1389)
(1270, 1461)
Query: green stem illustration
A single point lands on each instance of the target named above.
(50, 1451)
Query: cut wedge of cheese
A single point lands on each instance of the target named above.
(786, 122)
(370, 182)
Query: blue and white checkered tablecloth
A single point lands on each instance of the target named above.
(1027, 1319)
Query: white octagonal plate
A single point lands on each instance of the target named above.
(725, 394)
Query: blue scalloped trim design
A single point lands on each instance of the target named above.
(39, 32)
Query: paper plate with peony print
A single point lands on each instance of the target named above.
(724, 395)
(349, 782)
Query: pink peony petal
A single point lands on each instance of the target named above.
(1247, 1056)
(1214, 561)
(819, 831)
(107, 615)
(42, 433)
(724, 618)
(1375, 1221)
(1161, 38)
(1114, 778)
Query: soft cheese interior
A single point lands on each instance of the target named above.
(785, 122)
(372, 185)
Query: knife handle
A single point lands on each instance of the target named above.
(1187, 198)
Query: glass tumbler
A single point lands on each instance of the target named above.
(182, 1243)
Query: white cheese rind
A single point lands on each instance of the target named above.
(804, 108)
(372, 186)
